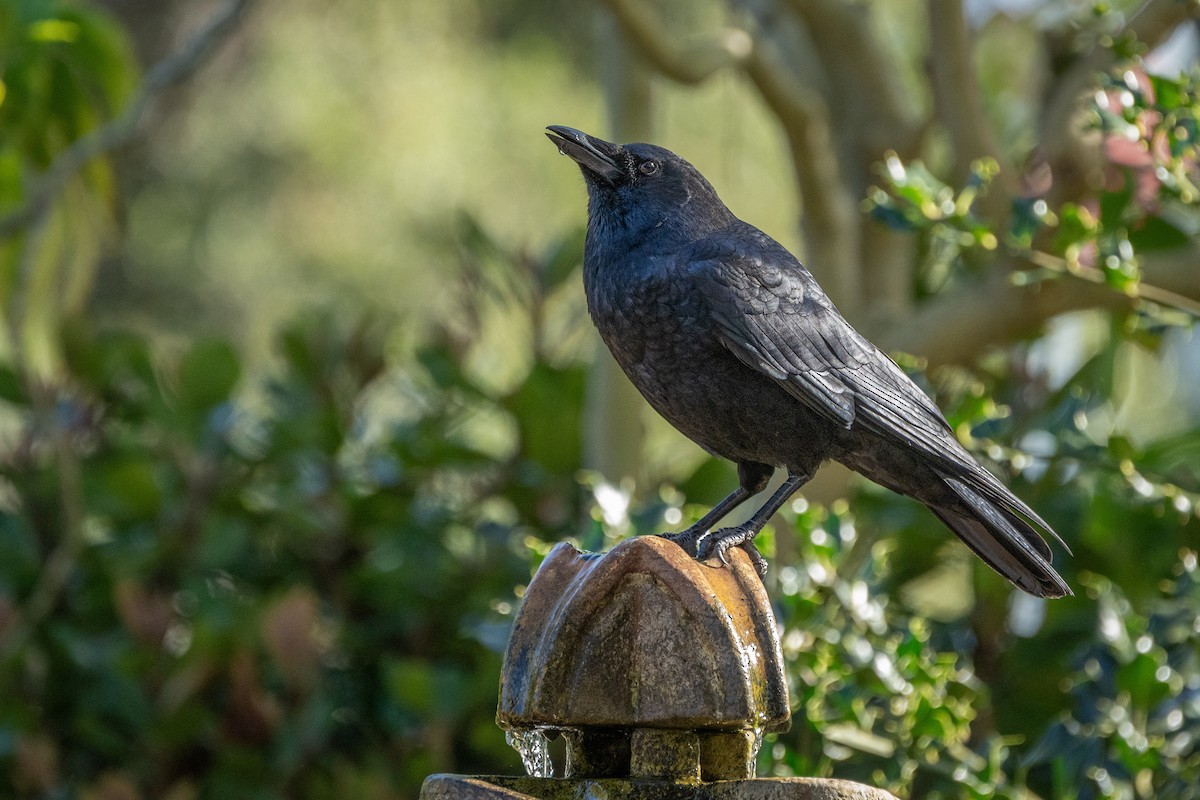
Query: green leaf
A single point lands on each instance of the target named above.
(1168, 93)
(1113, 205)
(208, 373)
(132, 486)
(548, 409)
(1075, 225)
(562, 259)
(1155, 233)
(11, 387)
(1137, 680)
(439, 366)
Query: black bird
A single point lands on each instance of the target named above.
(730, 338)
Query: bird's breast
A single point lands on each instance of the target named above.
(644, 315)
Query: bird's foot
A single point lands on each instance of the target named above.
(687, 539)
(720, 541)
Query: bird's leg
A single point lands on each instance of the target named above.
(718, 542)
(752, 479)
(688, 538)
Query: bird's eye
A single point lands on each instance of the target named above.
(648, 167)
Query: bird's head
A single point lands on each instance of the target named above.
(634, 187)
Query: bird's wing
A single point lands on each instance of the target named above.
(770, 312)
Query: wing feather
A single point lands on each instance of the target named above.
(776, 319)
(770, 312)
(772, 315)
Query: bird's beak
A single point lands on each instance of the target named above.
(594, 155)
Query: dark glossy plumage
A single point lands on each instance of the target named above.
(731, 339)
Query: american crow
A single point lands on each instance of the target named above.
(730, 338)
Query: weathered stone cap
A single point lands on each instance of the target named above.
(643, 636)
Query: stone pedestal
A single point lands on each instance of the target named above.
(661, 673)
(461, 787)
(653, 664)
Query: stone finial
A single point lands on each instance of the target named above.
(645, 640)
(660, 672)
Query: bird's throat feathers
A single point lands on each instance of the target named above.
(650, 209)
(660, 223)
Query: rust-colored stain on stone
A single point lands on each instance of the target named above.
(644, 636)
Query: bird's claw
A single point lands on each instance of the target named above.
(687, 539)
(703, 545)
(756, 558)
(719, 542)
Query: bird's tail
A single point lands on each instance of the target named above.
(1000, 529)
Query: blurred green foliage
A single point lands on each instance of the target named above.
(887, 698)
(1149, 200)
(224, 580)
(64, 69)
(301, 598)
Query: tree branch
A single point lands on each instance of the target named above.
(865, 88)
(613, 427)
(692, 66)
(58, 566)
(872, 111)
(959, 326)
(957, 99)
(1155, 293)
(830, 212)
(830, 216)
(122, 128)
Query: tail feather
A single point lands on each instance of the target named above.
(998, 493)
(1001, 536)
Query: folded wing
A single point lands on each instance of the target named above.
(770, 312)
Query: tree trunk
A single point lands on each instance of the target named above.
(613, 416)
